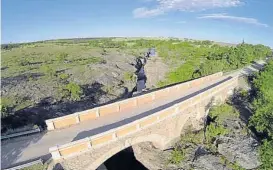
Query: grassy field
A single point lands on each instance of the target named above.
(47, 79)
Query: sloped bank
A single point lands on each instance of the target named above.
(225, 144)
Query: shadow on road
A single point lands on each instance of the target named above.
(11, 150)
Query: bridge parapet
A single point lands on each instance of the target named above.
(201, 99)
(127, 104)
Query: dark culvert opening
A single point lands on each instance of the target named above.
(124, 160)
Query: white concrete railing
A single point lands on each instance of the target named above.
(131, 103)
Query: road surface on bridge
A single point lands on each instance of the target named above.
(34, 146)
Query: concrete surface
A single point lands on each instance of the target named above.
(34, 146)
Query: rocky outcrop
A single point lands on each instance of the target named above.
(151, 157)
(209, 162)
(242, 150)
(155, 70)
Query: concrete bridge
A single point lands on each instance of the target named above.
(157, 117)
(84, 140)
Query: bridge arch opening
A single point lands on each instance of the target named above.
(123, 160)
(125, 148)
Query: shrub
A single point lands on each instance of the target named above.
(104, 51)
(108, 89)
(128, 76)
(63, 76)
(192, 137)
(177, 156)
(214, 130)
(61, 57)
(24, 62)
(221, 112)
(262, 118)
(4, 111)
(266, 155)
(48, 70)
(74, 90)
(7, 105)
(182, 73)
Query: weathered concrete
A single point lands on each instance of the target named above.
(161, 132)
(29, 147)
(25, 148)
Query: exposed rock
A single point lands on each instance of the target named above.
(242, 150)
(40, 94)
(150, 157)
(234, 149)
(209, 162)
(155, 70)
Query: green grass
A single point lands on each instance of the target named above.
(37, 167)
(15, 103)
(222, 112)
(266, 154)
(182, 149)
(214, 130)
(192, 137)
(177, 156)
(129, 76)
(21, 60)
(233, 166)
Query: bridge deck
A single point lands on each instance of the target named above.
(29, 147)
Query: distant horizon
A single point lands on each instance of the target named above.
(100, 37)
(71, 38)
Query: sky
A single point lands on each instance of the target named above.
(217, 20)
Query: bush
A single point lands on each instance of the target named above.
(4, 111)
(211, 66)
(213, 130)
(24, 62)
(75, 91)
(262, 118)
(104, 51)
(177, 156)
(61, 57)
(128, 76)
(48, 70)
(63, 76)
(218, 114)
(266, 155)
(190, 58)
(221, 112)
(182, 73)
